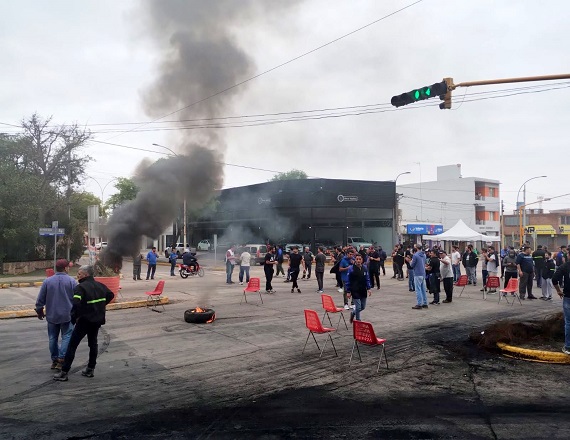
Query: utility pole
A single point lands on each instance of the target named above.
(502, 231)
(69, 199)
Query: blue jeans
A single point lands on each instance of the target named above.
(242, 270)
(359, 306)
(421, 294)
(229, 271)
(456, 272)
(411, 281)
(56, 351)
(566, 308)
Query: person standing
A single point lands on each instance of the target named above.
(345, 263)
(484, 272)
(280, 258)
(525, 268)
(470, 260)
(308, 260)
(151, 259)
(374, 267)
(172, 258)
(88, 313)
(137, 263)
(418, 265)
(539, 262)
(492, 262)
(456, 263)
(295, 262)
(383, 257)
(244, 266)
(337, 258)
(446, 270)
(510, 265)
(320, 261)
(434, 275)
(546, 275)
(56, 294)
(562, 275)
(230, 263)
(358, 286)
(269, 262)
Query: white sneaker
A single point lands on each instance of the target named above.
(241, 284)
(565, 350)
(346, 307)
(353, 307)
(340, 290)
(320, 291)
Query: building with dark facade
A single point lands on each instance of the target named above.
(302, 211)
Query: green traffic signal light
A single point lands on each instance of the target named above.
(437, 89)
(417, 95)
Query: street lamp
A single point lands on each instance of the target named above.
(522, 235)
(396, 220)
(184, 208)
(102, 188)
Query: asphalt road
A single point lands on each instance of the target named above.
(244, 376)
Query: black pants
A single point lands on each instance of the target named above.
(435, 286)
(294, 276)
(508, 276)
(308, 268)
(280, 269)
(136, 272)
(172, 267)
(268, 278)
(81, 329)
(338, 279)
(448, 287)
(525, 284)
(150, 271)
(320, 276)
(375, 275)
(382, 267)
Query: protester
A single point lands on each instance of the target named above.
(357, 286)
(446, 270)
(320, 260)
(280, 259)
(539, 262)
(456, 263)
(137, 262)
(432, 266)
(470, 261)
(345, 263)
(525, 268)
(56, 294)
(374, 267)
(383, 257)
(151, 259)
(172, 258)
(546, 275)
(484, 272)
(308, 260)
(418, 265)
(295, 262)
(88, 314)
(230, 263)
(492, 263)
(244, 266)
(336, 259)
(562, 275)
(510, 265)
(269, 262)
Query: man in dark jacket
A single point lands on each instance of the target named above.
(88, 314)
(358, 286)
(470, 260)
(539, 262)
(562, 275)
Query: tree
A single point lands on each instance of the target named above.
(128, 190)
(80, 201)
(290, 175)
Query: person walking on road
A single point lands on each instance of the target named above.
(345, 263)
(308, 260)
(295, 262)
(358, 286)
(230, 263)
(320, 260)
(151, 259)
(547, 274)
(269, 262)
(562, 275)
(280, 258)
(56, 294)
(172, 258)
(374, 267)
(446, 270)
(244, 266)
(88, 314)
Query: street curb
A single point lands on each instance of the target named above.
(30, 313)
(527, 354)
(21, 284)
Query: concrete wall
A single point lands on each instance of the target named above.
(22, 267)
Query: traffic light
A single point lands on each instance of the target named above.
(437, 89)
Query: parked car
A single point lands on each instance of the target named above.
(356, 242)
(180, 248)
(101, 245)
(204, 245)
(257, 252)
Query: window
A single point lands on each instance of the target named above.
(493, 192)
(565, 219)
(511, 221)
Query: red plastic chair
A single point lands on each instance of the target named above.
(462, 282)
(314, 325)
(363, 332)
(513, 289)
(330, 307)
(49, 273)
(254, 285)
(492, 284)
(154, 296)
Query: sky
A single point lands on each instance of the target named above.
(94, 62)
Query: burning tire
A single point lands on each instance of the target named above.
(199, 316)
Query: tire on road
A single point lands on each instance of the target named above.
(193, 317)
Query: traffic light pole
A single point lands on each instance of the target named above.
(511, 80)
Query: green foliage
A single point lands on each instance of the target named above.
(79, 203)
(290, 175)
(128, 190)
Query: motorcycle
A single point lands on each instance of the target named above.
(187, 271)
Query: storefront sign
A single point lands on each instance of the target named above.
(540, 229)
(342, 198)
(416, 229)
(262, 201)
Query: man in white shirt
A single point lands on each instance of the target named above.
(446, 271)
(492, 264)
(456, 263)
(244, 267)
(230, 263)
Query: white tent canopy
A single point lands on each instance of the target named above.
(461, 232)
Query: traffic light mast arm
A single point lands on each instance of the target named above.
(512, 80)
